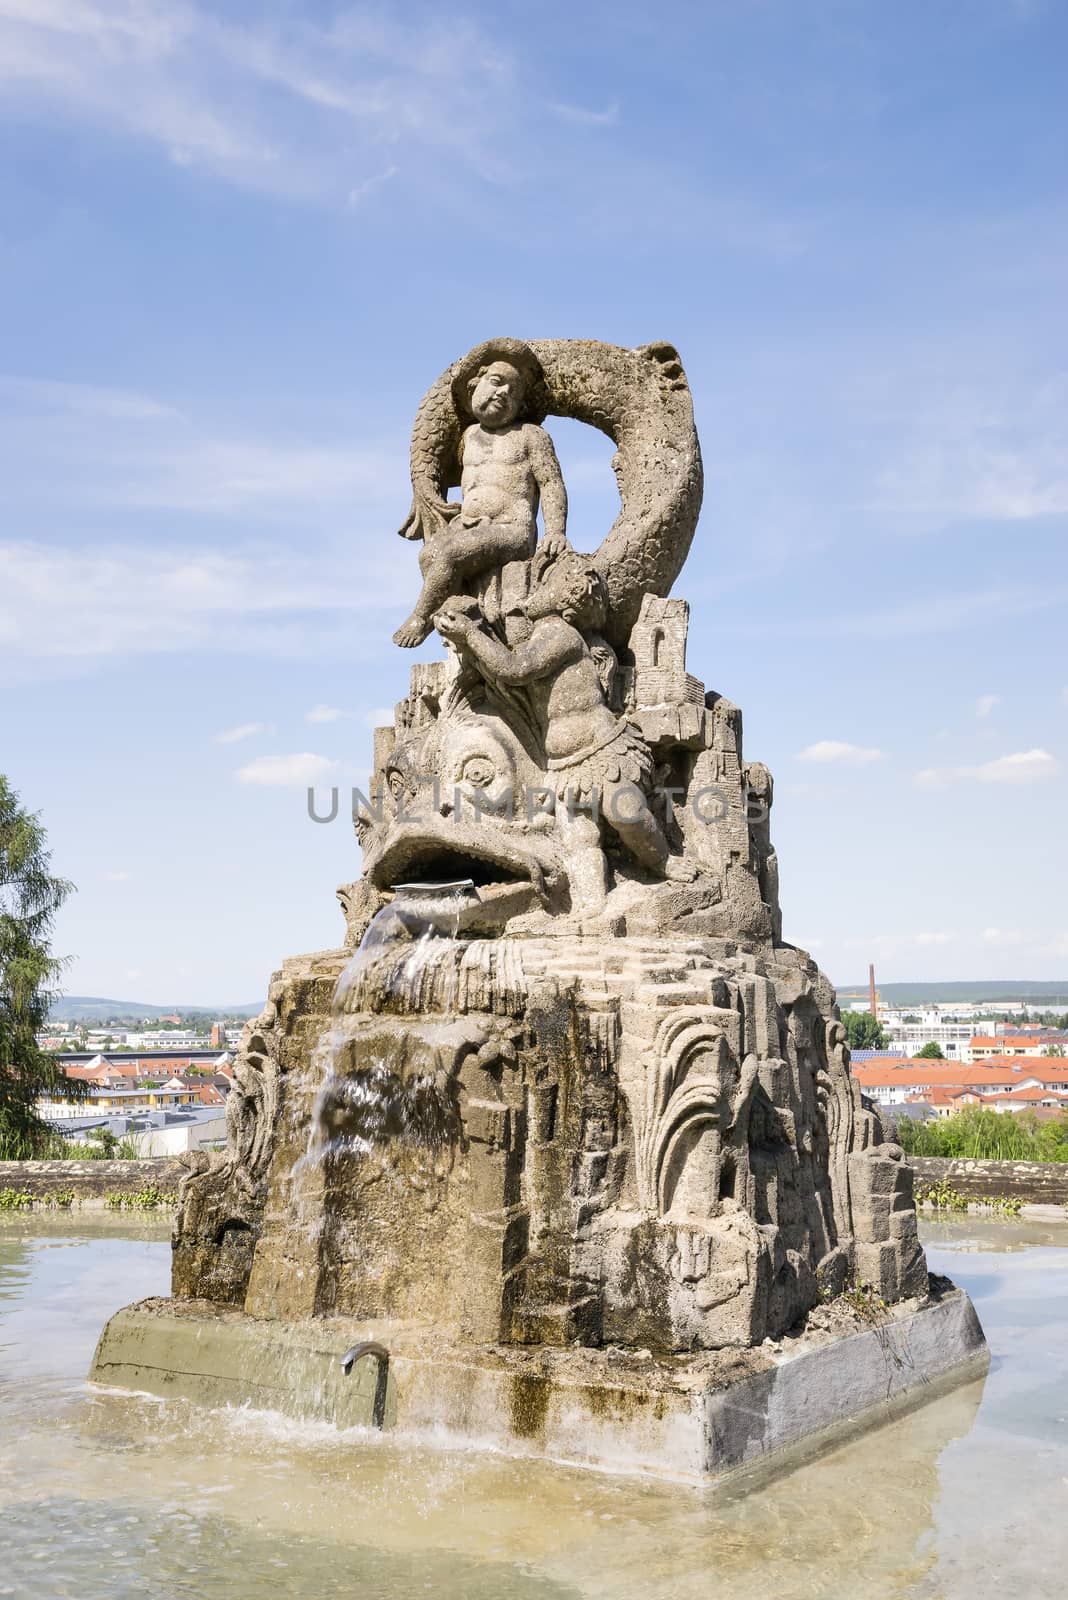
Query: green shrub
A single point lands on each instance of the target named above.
(979, 1134)
(149, 1199)
(940, 1195)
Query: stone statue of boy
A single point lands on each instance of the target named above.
(509, 466)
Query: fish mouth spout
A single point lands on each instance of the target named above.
(445, 852)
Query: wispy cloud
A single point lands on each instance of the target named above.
(92, 446)
(975, 452)
(827, 750)
(244, 730)
(585, 116)
(1006, 938)
(378, 717)
(323, 714)
(1023, 766)
(285, 104)
(290, 771)
(986, 703)
(68, 607)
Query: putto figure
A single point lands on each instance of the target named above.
(508, 468)
(597, 762)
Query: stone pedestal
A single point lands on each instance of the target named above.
(694, 1418)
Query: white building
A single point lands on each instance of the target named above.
(204, 1130)
(174, 1039)
(952, 1033)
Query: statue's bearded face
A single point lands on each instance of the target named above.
(497, 395)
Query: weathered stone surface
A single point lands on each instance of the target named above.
(703, 1417)
(92, 1180)
(582, 1095)
(656, 1167)
(1040, 1183)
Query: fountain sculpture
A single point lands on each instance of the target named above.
(566, 1127)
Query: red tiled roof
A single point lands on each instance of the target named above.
(940, 1095)
(1000, 1072)
(1025, 1096)
(1005, 1041)
(913, 1072)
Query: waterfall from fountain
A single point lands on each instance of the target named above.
(366, 1098)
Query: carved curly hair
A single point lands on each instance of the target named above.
(585, 603)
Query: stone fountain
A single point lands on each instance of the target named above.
(562, 1147)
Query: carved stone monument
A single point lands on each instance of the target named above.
(566, 1125)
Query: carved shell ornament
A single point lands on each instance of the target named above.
(639, 398)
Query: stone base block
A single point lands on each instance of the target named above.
(695, 1418)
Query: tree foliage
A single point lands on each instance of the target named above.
(930, 1052)
(29, 898)
(863, 1031)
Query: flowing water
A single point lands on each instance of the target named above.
(104, 1494)
(367, 1099)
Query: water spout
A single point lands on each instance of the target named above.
(356, 1352)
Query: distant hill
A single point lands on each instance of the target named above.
(91, 1008)
(1041, 995)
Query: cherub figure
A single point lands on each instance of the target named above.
(598, 762)
(509, 466)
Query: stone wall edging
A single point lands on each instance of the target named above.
(92, 1180)
(1042, 1183)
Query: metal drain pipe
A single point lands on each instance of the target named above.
(355, 1353)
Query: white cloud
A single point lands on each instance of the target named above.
(76, 455)
(839, 750)
(287, 105)
(1005, 938)
(64, 608)
(1024, 766)
(244, 730)
(986, 703)
(979, 452)
(118, 876)
(84, 445)
(288, 771)
(379, 717)
(323, 714)
(584, 116)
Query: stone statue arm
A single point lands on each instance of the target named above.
(553, 644)
(550, 480)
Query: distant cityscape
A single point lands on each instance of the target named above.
(931, 1063)
(157, 1085)
(142, 1087)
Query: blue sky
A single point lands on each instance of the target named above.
(239, 242)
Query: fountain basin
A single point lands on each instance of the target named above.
(696, 1417)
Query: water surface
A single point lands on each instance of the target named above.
(112, 1495)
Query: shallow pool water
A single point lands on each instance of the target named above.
(112, 1495)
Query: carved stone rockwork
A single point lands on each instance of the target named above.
(583, 1093)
